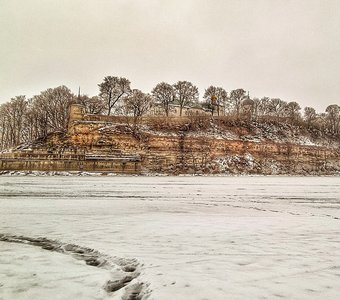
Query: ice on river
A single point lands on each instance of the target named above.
(193, 237)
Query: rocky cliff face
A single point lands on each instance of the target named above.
(181, 148)
(188, 145)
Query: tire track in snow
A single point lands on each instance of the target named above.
(128, 269)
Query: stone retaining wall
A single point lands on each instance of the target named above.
(122, 166)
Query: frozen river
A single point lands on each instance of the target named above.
(187, 237)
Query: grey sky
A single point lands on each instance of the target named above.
(278, 48)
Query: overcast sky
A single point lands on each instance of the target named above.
(278, 48)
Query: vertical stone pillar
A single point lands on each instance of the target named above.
(77, 112)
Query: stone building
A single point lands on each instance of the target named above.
(174, 110)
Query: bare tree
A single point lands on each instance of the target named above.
(247, 107)
(216, 96)
(236, 98)
(93, 105)
(38, 117)
(185, 94)
(19, 107)
(264, 106)
(321, 122)
(12, 121)
(277, 107)
(113, 89)
(292, 109)
(23, 121)
(3, 127)
(34, 128)
(165, 95)
(333, 118)
(256, 108)
(309, 115)
(137, 105)
(53, 107)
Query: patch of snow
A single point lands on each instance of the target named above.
(29, 272)
(303, 140)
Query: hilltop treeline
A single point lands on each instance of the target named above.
(23, 120)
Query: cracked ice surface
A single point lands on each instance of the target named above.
(198, 237)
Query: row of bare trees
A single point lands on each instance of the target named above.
(115, 91)
(23, 120)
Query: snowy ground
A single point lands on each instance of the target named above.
(30, 273)
(194, 237)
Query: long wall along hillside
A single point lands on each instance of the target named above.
(175, 145)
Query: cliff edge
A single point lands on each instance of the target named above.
(187, 145)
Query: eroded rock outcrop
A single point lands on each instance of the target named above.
(196, 145)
